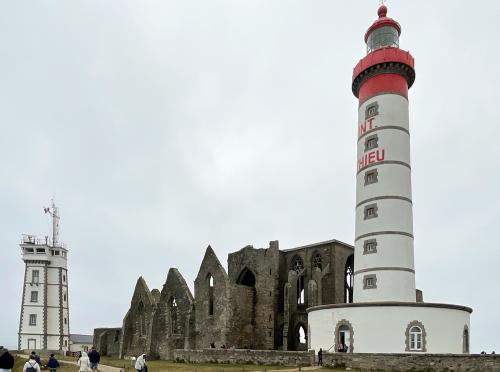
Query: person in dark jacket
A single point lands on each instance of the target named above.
(6, 360)
(53, 364)
(94, 359)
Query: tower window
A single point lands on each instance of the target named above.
(32, 319)
(40, 250)
(371, 142)
(370, 281)
(65, 321)
(34, 296)
(415, 337)
(371, 176)
(371, 110)
(35, 276)
(64, 297)
(370, 246)
(64, 278)
(371, 211)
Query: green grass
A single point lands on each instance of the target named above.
(163, 365)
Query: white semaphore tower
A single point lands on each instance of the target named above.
(387, 314)
(44, 319)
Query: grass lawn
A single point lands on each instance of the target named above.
(163, 366)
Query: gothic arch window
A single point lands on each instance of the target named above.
(344, 337)
(210, 282)
(317, 261)
(141, 319)
(466, 340)
(246, 278)
(300, 290)
(174, 316)
(297, 264)
(349, 279)
(416, 337)
(301, 334)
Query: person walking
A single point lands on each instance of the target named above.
(140, 363)
(84, 362)
(94, 358)
(31, 365)
(320, 357)
(6, 360)
(52, 363)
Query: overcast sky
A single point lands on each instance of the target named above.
(163, 126)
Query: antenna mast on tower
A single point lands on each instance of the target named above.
(54, 213)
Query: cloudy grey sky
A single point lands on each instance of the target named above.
(163, 126)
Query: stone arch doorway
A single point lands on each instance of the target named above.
(344, 337)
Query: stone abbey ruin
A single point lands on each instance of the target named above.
(260, 303)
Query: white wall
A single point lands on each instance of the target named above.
(382, 329)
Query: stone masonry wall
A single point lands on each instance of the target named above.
(238, 356)
(173, 321)
(255, 307)
(414, 362)
(107, 341)
(212, 303)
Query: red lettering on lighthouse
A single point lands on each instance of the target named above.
(380, 155)
(372, 157)
(366, 126)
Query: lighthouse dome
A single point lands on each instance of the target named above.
(383, 33)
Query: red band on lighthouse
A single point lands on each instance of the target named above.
(383, 83)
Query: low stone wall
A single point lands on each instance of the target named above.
(414, 362)
(240, 356)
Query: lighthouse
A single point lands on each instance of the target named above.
(384, 223)
(44, 319)
(387, 314)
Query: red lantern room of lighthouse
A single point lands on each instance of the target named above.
(386, 314)
(386, 68)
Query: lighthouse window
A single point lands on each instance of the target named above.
(370, 211)
(369, 281)
(415, 337)
(28, 250)
(32, 319)
(383, 37)
(371, 176)
(34, 296)
(371, 142)
(35, 276)
(370, 246)
(371, 110)
(40, 250)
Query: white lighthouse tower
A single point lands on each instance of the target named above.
(387, 315)
(44, 319)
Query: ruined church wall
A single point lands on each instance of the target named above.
(212, 322)
(138, 322)
(254, 315)
(173, 325)
(107, 341)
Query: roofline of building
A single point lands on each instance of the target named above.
(316, 244)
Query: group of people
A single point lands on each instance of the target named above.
(89, 362)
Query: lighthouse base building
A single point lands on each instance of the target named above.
(385, 315)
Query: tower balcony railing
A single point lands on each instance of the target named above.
(46, 241)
